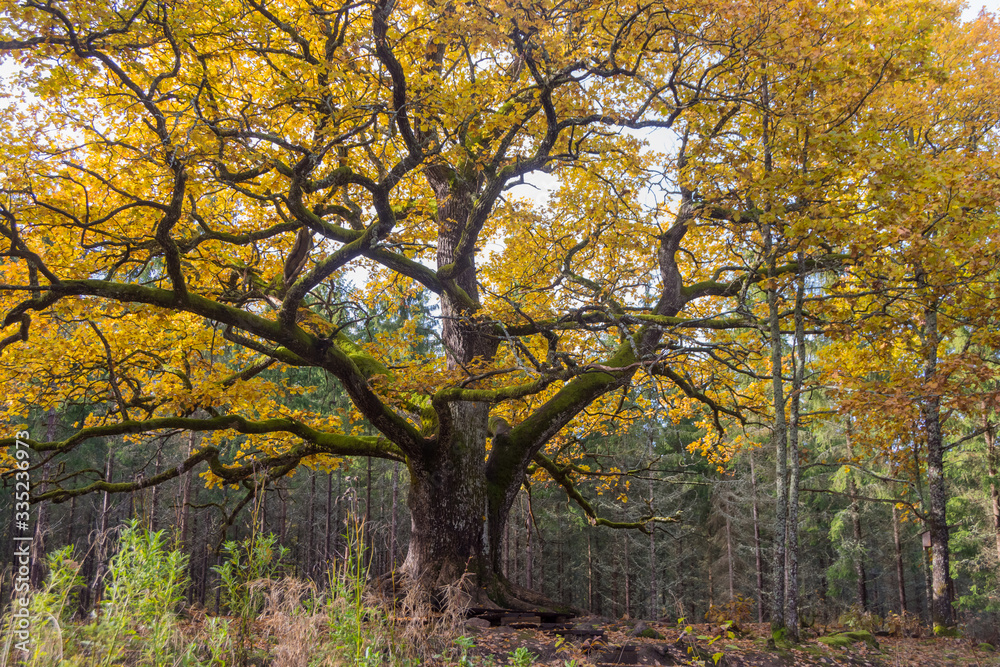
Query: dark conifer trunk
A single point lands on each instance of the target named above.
(900, 579)
(994, 463)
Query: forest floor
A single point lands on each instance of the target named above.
(698, 646)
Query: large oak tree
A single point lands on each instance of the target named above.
(186, 190)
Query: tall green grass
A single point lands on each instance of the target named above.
(266, 617)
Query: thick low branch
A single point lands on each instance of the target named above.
(326, 443)
(561, 477)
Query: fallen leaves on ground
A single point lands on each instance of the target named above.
(749, 648)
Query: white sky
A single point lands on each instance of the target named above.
(976, 5)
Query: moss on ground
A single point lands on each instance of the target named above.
(845, 639)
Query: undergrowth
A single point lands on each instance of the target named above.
(267, 617)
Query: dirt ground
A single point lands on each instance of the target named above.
(709, 645)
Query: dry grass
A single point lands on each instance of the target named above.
(293, 619)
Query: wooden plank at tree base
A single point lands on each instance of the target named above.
(582, 632)
(557, 628)
(509, 616)
(521, 620)
(619, 655)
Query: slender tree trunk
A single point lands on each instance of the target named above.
(729, 559)
(190, 535)
(38, 542)
(153, 493)
(861, 575)
(615, 572)
(628, 581)
(992, 459)
(540, 560)
(928, 586)
(859, 563)
(341, 523)
(653, 608)
(794, 441)
(393, 528)
(328, 528)
(560, 562)
(900, 579)
(756, 543)
(102, 536)
(527, 549)
(310, 558)
(369, 533)
(283, 514)
(590, 573)
(203, 578)
(71, 527)
(780, 440)
(711, 579)
(184, 514)
(942, 613)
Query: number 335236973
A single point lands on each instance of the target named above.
(22, 485)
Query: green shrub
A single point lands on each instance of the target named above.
(856, 618)
(249, 563)
(146, 582)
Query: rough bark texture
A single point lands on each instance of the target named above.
(780, 440)
(992, 455)
(900, 579)
(942, 613)
(798, 384)
(447, 503)
(859, 563)
(761, 611)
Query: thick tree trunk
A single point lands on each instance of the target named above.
(447, 502)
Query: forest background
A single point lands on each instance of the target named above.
(280, 271)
